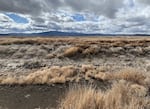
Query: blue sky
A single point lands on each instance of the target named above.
(19, 19)
(16, 18)
(86, 16)
(78, 17)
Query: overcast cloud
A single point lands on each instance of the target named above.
(90, 16)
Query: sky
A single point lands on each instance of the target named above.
(84, 16)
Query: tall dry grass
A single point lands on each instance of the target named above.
(122, 95)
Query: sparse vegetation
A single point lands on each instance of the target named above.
(57, 74)
(129, 90)
(120, 63)
(110, 41)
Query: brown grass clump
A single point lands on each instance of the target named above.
(71, 51)
(54, 74)
(69, 71)
(131, 75)
(39, 77)
(91, 51)
(126, 74)
(120, 96)
(9, 80)
(85, 68)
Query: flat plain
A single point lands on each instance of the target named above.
(56, 72)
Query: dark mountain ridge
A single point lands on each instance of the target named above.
(58, 33)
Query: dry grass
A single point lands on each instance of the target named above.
(80, 50)
(130, 89)
(122, 95)
(57, 74)
(91, 50)
(127, 74)
(79, 47)
(103, 41)
(72, 51)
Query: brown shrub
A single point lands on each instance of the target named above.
(9, 80)
(126, 74)
(68, 71)
(71, 51)
(85, 68)
(60, 79)
(131, 75)
(90, 51)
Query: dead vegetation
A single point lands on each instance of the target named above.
(130, 88)
(122, 95)
(94, 50)
(72, 51)
(51, 48)
(81, 51)
(57, 74)
(52, 75)
(126, 74)
(103, 41)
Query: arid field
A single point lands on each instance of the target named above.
(75, 73)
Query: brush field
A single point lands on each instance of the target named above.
(75, 73)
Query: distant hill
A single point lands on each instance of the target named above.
(50, 33)
(58, 33)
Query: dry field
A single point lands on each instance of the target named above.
(107, 72)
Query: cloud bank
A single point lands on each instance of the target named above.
(86, 16)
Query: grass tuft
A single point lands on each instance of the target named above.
(120, 96)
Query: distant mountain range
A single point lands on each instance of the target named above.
(58, 33)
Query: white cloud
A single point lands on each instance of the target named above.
(7, 25)
(100, 16)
